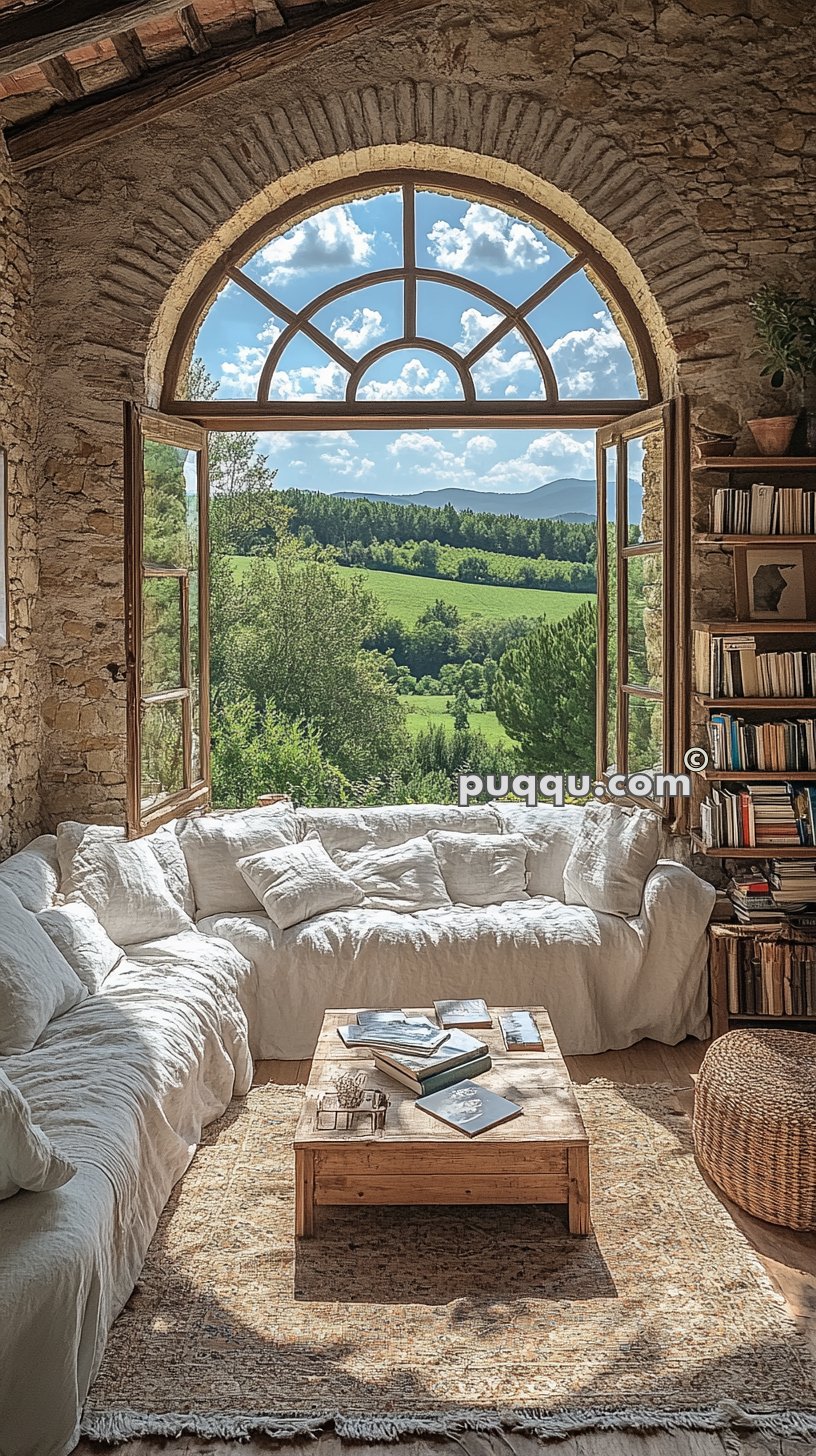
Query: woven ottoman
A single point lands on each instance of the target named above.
(755, 1123)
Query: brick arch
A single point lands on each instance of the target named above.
(556, 162)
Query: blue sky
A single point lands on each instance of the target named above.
(471, 241)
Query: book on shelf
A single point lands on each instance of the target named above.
(415, 1034)
(469, 1012)
(731, 667)
(786, 745)
(457, 1047)
(752, 901)
(469, 1108)
(759, 816)
(520, 1032)
(447, 1077)
(772, 978)
(793, 882)
(763, 510)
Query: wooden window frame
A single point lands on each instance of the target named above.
(140, 425)
(673, 547)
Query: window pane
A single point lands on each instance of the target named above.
(645, 462)
(161, 634)
(611, 458)
(644, 735)
(162, 752)
(195, 677)
(644, 576)
(170, 505)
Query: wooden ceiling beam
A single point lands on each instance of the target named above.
(193, 30)
(130, 51)
(52, 27)
(61, 75)
(167, 89)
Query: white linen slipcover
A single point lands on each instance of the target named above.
(123, 1084)
(606, 981)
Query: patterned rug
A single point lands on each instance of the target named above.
(397, 1322)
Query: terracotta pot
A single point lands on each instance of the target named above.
(773, 436)
(711, 449)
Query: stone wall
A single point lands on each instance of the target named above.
(676, 135)
(20, 696)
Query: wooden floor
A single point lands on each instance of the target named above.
(789, 1258)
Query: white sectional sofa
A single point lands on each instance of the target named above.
(124, 1080)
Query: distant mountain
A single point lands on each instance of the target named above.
(569, 499)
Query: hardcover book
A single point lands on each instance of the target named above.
(369, 1018)
(469, 1108)
(414, 1034)
(469, 1013)
(456, 1048)
(437, 1080)
(520, 1032)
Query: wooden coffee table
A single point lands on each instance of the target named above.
(540, 1157)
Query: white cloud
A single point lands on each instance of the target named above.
(359, 330)
(414, 381)
(332, 239)
(486, 238)
(546, 458)
(312, 381)
(342, 462)
(412, 440)
(475, 327)
(593, 361)
(480, 445)
(240, 374)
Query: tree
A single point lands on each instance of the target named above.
(544, 694)
(460, 709)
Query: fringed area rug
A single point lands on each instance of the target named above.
(398, 1322)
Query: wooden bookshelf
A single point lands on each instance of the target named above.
(764, 704)
(754, 851)
(761, 628)
(710, 538)
(728, 943)
(760, 776)
(723, 464)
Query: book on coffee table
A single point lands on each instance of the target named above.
(436, 1080)
(520, 1032)
(457, 1047)
(470, 1013)
(469, 1108)
(416, 1034)
(369, 1018)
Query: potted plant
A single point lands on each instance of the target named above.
(786, 327)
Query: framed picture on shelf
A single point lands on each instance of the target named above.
(772, 584)
(4, 574)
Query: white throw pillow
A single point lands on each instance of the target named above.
(36, 981)
(28, 1159)
(86, 945)
(405, 878)
(33, 873)
(482, 869)
(164, 844)
(615, 852)
(214, 843)
(297, 882)
(552, 832)
(124, 883)
(351, 830)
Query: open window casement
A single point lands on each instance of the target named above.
(642, 712)
(166, 617)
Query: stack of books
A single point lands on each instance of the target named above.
(459, 1057)
(731, 667)
(776, 747)
(756, 816)
(764, 510)
(393, 1031)
(753, 903)
(793, 882)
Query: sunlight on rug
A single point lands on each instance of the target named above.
(414, 1321)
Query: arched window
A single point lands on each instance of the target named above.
(414, 300)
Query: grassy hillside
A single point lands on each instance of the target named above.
(424, 711)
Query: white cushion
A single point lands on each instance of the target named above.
(214, 843)
(613, 855)
(551, 831)
(28, 1159)
(298, 882)
(404, 877)
(36, 981)
(164, 844)
(86, 945)
(33, 873)
(349, 830)
(482, 869)
(124, 883)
